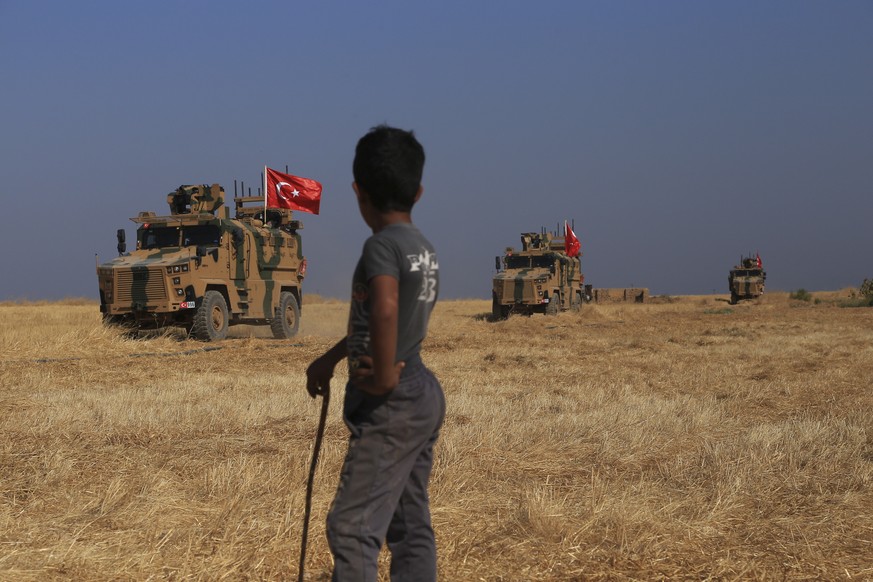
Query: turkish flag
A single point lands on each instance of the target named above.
(294, 192)
(760, 264)
(572, 246)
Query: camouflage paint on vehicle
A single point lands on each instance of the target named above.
(746, 280)
(199, 269)
(540, 278)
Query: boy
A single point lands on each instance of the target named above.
(393, 405)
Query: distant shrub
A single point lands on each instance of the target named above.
(861, 297)
(801, 295)
(856, 302)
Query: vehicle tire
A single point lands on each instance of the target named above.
(287, 320)
(576, 304)
(552, 305)
(210, 319)
(734, 299)
(498, 312)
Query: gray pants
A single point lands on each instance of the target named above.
(382, 495)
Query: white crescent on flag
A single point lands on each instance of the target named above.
(279, 189)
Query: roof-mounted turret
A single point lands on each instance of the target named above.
(196, 199)
(541, 241)
(531, 241)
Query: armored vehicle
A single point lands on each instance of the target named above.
(540, 278)
(199, 269)
(746, 280)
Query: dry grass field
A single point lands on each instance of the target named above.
(683, 439)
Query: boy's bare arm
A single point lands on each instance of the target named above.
(384, 374)
(320, 371)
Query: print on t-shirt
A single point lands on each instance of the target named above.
(426, 262)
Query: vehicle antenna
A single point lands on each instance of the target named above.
(234, 187)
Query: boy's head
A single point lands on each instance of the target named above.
(387, 168)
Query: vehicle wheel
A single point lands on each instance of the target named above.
(287, 320)
(552, 305)
(576, 304)
(734, 299)
(498, 312)
(210, 319)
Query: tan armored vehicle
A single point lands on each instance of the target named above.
(199, 269)
(746, 280)
(540, 278)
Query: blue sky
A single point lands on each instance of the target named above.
(677, 134)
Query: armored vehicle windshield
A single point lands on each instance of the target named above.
(160, 237)
(528, 262)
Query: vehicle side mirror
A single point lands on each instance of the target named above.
(122, 247)
(497, 263)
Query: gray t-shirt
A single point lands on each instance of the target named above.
(400, 251)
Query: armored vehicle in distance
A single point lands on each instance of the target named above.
(201, 270)
(746, 280)
(540, 278)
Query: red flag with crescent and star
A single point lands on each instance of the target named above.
(758, 260)
(294, 192)
(572, 246)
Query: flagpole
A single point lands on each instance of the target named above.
(265, 194)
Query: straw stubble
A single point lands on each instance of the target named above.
(681, 439)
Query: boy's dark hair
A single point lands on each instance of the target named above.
(388, 166)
